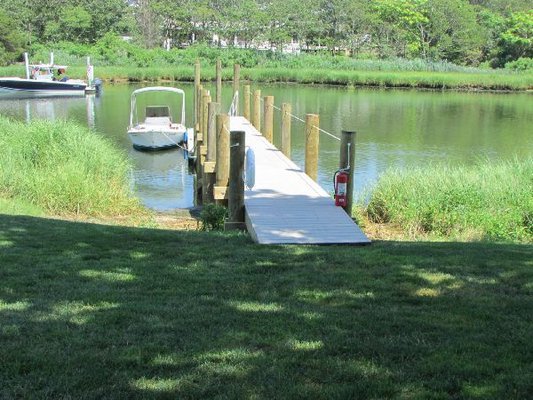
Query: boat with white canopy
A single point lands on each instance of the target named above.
(157, 131)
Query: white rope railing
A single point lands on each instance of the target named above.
(301, 120)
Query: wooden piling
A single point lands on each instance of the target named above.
(236, 184)
(210, 158)
(197, 83)
(311, 145)
(256, 117)
(218, 97)
(246, 102)
(222, 158)
(206, 99)
(200, 148)
(347, 160)
(236, 83)
(268, 130)
(286, 129)
(197, 97)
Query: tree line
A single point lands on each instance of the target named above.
(466, 32)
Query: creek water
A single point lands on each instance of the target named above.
(395, 129)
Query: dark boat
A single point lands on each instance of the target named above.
(41, 81)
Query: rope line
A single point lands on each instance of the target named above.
(301, 120)
(177, 144)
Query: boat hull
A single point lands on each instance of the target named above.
(17, 87)
(155, 139)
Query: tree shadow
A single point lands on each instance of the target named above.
(94, 311)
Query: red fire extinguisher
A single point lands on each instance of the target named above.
(341, 187)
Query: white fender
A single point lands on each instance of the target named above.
(190, 141)
(249, 171)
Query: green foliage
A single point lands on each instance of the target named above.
(63, 168)
(19, 207)
(490, 200)
(212, 217)
(461, 31)
(12, 40)
(517, 39)
(522, 64)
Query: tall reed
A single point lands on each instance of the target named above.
(63, 168)
(487, 200)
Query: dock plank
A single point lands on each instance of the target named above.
(286, 206)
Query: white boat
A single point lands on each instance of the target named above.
(158, 131)
(41, 81)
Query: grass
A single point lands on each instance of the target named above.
(489, 200)
(63, 169)
(481, 80)
(92, 311)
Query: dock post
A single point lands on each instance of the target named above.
(246, 101)
(286, 129)
(347, 160)
(236, 184)
(200, 148)
(236, 82)
(197, 97)
(210, 158)
(311, 145)
(218, 97)
(268, 130)
(222, 158)
(256, 117)
(196, 85)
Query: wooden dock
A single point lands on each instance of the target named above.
(286, 206)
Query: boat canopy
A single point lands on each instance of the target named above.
(157, 89)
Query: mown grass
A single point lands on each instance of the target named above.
(63, 168)
(488, 200)
(90, 311)
(351, 78)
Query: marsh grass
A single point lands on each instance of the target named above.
(488, 200)
(476, 80)
(91, 311)
(63, 168)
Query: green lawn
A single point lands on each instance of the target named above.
(95, 311)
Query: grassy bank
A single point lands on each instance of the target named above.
(350, 78)
(489, 200)
(62, 168)
(92, 311)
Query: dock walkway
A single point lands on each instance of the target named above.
(286, 206)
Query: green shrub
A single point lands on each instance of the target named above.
(212, 217)
(522, 64)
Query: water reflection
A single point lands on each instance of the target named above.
(81, 109)
(161, 179)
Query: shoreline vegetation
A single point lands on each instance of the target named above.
(487, 81)
(61, 169)
(117, 61)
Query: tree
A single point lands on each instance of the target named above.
(12, 40)
(517, 39)
(454, 33)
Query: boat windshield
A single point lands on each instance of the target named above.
(157, 111)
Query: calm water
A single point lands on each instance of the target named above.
(395, 128)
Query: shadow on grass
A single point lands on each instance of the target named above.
(93, 311)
